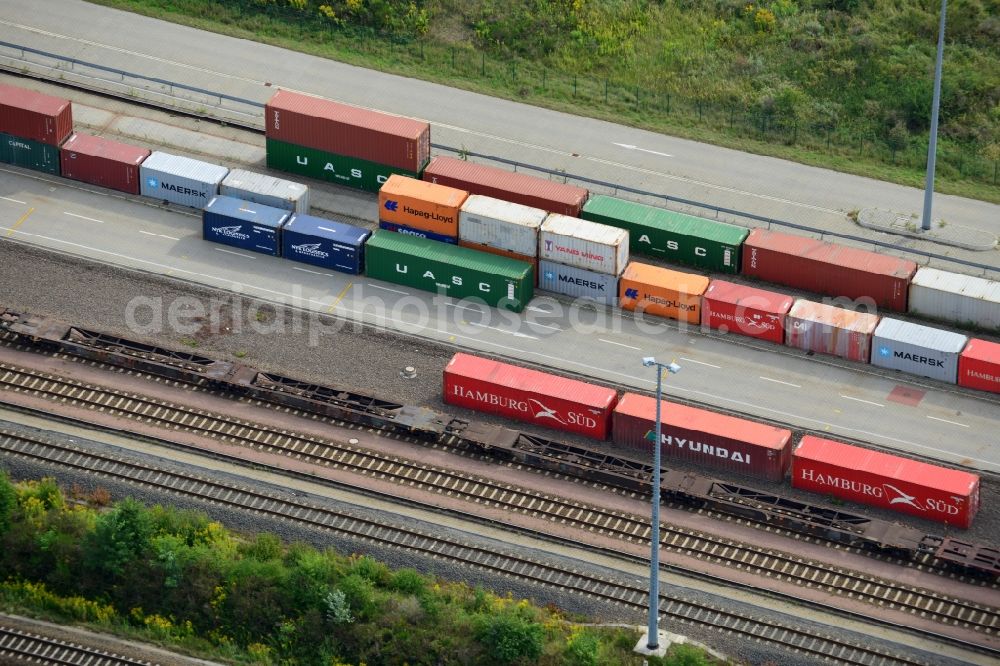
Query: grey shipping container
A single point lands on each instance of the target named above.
(243, 224)
(577, 282)
(961, 299)
(180, 180)
(918, 350)
(500, 224)
(334, 245)
(268, 190)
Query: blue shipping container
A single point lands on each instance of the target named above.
(333, 245)
(419, 233)
(243, 224)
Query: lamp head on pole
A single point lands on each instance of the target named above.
(649, 361)
(672, 368)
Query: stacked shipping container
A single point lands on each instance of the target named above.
(581, 259)
(266, 190)
(501, 227)
(32, 127)
(418, 208)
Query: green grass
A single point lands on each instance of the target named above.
(842, 84)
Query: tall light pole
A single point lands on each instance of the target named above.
(932, 145)
(653, 640)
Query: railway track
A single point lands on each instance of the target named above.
(22, 646)
(674, 608)
(778, 566)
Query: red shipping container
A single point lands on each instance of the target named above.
(507, 185)
(326, 125)
(34, 115)
(827, 268)
(735, 308)
(979, 366)
(99, 161)
(827, 329)
(529, 395)
(704, 437)
(884, 480)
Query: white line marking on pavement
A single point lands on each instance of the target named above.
(868, 402)
(537, 309)
(778, 381)
(238, 254)
(168, 237)
(691, 360)
(500, 330)
(464, 307)
(23, 203)
(535, 323)
(628, 146)
(306, 270)
(947, 421)
(146, 233)
(395, 291)
(83, 217)
(612, 342)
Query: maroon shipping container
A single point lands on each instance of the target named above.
(736, 308)
(827, 268)
(704, 437)
(884, 480)
(979, 366)
(34, 115)
(99, 161)
(507, 185)
(333, 127)
(529, 395)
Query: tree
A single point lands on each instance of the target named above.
(509, 637)
(8, 502)
(120, 538)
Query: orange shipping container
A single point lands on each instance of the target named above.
(662, 292)
(503, 253)
(420, 205)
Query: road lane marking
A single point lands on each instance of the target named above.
(691, 360)
(612, 342)
(535, 323)
(537, 309)
(947, 421)
(340, 296)
(146, 233)
(238, 254)
(11, 230)
(168, 237)
(629, 146)
(867, 402)
(82, 217)
(500, 330)
(23, 203)
(466, 307)
(778, 381)
(306, 270)
(395, 291)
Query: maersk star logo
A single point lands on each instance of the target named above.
(549, 275)
(884, 351)
(152, 182)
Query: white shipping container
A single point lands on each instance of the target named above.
(577, 282)
(587, 245)
(918, 350)
(500, 224)
(957, 298)
(266, 190)
(180, 180)
(826, 329)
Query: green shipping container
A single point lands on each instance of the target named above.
(673, 237)
(455, 271)
(29, 154)
(339, 169)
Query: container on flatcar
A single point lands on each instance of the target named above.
(961, 299)
(500, 224)
(527, 395)
(827, 268)
(339, 169)
(581, 244)
(180, 180)
(420, 205)
(577, 282)
(103, 162)
(979, 366)
(917, 350)
(886, 481)
(826, 329)
(36, 116)
(703, 437)
(327, 243)
(243, 224)
(332, 127)
(416, 233)
(449, 270)
(662, 292)
(29, 154)
(507, 185)
(736, 308)
(674, 237)
(267, 190)
(503, 253)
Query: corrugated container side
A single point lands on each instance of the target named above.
(827, 268)
(503, 253)
(339, 169)
(267, 190)
(961, 299)
(180, 180)
(416, 233)
(918, 350)
(979, 366)
(418, 204)
(577, 282)
(346, 130)
(587, 245)
(526, 395)
(674, 237)
(243, 224)
(332, 245)
(29, 154)
(103, 162)
(830, 330)
(662, 292)
(500, 224)
(703, 437)
(736, 308)
(507, 185)
(36, 116)
(887, 481)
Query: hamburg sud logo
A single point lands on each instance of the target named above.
(885, 491)
(536, 408)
